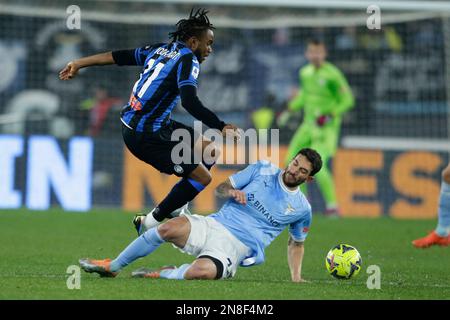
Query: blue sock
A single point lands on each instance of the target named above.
(183, 192)
(444, 210)
(176, 274)
(140, 247)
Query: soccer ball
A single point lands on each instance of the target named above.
(343, 261)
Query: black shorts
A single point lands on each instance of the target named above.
(156, 148)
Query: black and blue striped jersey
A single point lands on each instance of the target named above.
(167, 68)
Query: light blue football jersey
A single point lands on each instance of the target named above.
(270, 208)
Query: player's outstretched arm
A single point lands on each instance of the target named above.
(296, 251)
(195, 107)
(344, 96)
(225, 190)
(294, 105)
(71, 69)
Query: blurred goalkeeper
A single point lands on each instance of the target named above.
(325, 96)
(263, 201)
(170, 71)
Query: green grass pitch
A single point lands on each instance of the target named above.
(38, 247)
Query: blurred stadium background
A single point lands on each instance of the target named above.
(61, 144)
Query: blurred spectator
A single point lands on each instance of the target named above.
(347, 39)
(281, 37)
(426, 37)
(393, 39)
(388, 38)
(262, 118)
(99, 107)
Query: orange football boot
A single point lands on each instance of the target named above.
(102, 267)
(431, 239)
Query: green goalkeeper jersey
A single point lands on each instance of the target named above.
(323, 91)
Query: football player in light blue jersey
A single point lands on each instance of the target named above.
(262, 201)
(441, 235)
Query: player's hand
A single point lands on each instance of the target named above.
(69, 71)
(232, 131)
(238, 196)
(283, 118)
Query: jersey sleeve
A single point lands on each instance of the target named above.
(242, 178)
(299, 229)
(142, 53)
(344, 96)
(133, 57)
(298, 102)
(188, 71)
(195, 107)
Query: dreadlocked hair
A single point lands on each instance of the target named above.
(194, 26)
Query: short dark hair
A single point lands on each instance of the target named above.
(195, 25)
(314, 157)
(316, 42)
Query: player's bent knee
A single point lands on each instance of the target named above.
(206, 178)
(210, 150)
(201, 175)
(171, 229)
(165, 231)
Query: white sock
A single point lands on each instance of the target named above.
(150, 221)
(177, 273)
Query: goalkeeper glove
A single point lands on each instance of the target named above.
(323, 119)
